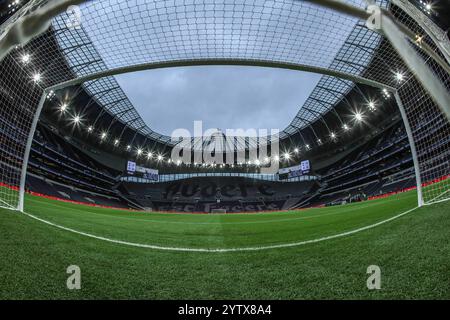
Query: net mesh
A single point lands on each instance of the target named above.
(431, 132)
(19, 98)
(429, 125)
(118, 33)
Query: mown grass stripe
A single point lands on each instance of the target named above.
(218, 250)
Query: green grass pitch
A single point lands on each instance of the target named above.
(413, 252)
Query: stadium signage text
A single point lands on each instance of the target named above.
(210, 189)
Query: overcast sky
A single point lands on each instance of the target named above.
(224, 97)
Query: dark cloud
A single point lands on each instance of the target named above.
(225, 97)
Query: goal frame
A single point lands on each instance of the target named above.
(440, 96)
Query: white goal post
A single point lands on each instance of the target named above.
(422, 95)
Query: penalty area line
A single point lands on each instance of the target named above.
(221, 250)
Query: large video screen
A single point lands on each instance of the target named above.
(296, 171)
(146, 173)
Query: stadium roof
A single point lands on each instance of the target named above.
(115, 35)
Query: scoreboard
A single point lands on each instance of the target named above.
(146, 173)
(296, 171)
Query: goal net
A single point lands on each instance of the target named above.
(47, 46)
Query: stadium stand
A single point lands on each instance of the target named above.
(381, 165)
(372, 169)
(231, 194)
(59, 170)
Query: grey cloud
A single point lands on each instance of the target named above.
(225, 97)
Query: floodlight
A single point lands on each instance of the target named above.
(25, 58)
(37, 77)
(76, 119)
(51, 94)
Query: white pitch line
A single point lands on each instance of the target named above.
(222, 250)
